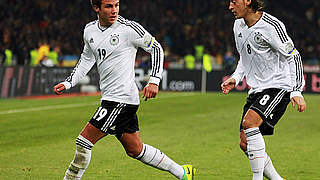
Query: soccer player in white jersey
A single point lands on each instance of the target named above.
(273, 69)
(111, 42)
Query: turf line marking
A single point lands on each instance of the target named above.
(43, 108)
(178, 95)
(63, 106)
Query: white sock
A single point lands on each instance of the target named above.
(256, 151)
(155, 158)
(81, 159)
(269, 171)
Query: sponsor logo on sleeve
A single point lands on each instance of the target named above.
(148, 40)
(289, 48)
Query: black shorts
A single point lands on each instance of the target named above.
(116, 118)
(270, 104)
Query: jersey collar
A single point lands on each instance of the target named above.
(102, 28)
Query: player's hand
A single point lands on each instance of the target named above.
(150, 91)
(300, 103)
(228, 85)
(59, 88)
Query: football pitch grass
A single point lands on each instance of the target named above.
(37, 138)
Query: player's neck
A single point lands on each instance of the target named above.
(252, 18)
(104, 23)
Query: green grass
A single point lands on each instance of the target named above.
(201, 129)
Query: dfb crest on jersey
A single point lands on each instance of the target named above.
(259, 39)
(114, 40)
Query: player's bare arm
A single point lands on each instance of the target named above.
(59, 88)
(228, 85)
(301, 104)
(150, 91)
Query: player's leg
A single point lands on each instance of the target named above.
(268, 105)
(255, 143)
(243, 142)
(84, 143)
(274, 112)
(151, 156)
(269, 171)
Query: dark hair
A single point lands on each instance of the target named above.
(96, 3)
(257, 5)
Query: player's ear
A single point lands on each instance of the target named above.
(247, 2)
(96, 8)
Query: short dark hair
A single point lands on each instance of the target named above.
(96, 3)
(257, 5)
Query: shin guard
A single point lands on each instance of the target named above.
(81, 159)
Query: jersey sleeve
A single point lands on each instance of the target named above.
(281, 42)
(143, 39)
(83, 66)
(238, 74)
(235, 32)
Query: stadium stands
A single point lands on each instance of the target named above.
(178, 25)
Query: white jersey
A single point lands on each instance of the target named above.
(268, 58)
(114, 49)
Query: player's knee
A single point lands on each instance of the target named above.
(243, 146)
(132, 144)
(246, 123)
(243, 141)
(133, 152)
(249, 123)
(251, 120)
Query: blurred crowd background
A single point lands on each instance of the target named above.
(192, 32)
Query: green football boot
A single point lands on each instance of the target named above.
(189, 172)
